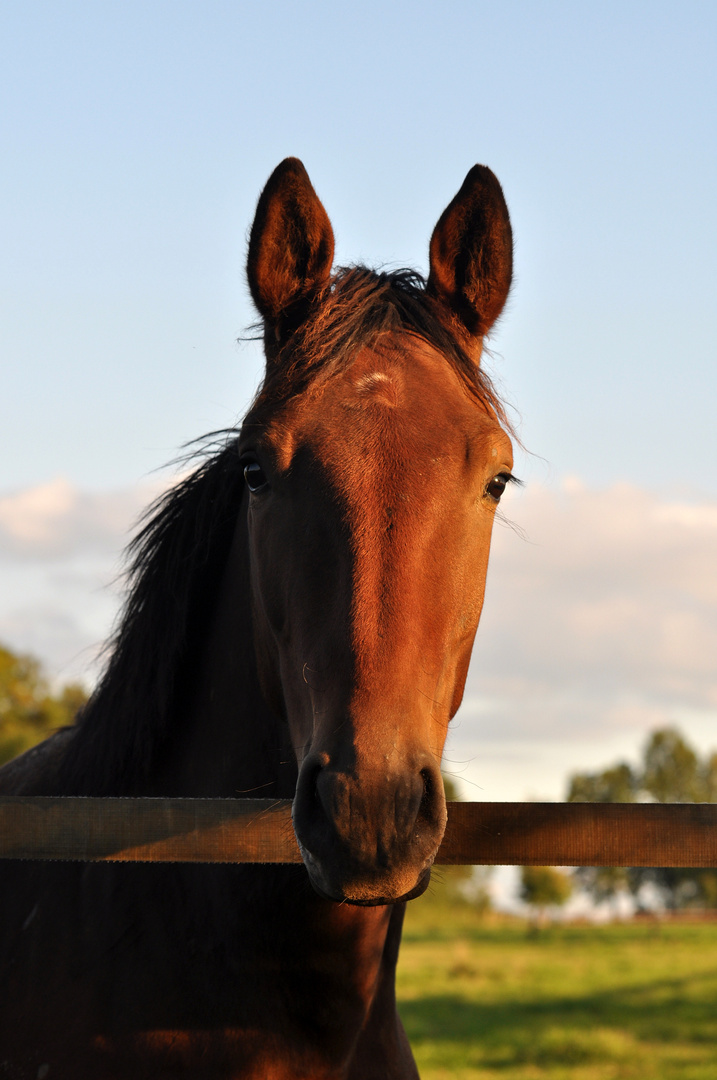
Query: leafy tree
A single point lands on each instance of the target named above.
(671, 771)
(618, 784)
(543, 887)
(604, 883)
(29, 712)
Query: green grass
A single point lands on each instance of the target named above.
(621, 1002)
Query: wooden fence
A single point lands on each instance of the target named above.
(260, 831)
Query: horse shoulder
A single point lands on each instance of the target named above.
(35, 771)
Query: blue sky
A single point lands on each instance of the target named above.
(136, 138)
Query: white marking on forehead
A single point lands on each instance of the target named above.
(374, 381)
(380, 388)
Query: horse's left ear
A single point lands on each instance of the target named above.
(291, 247)
(472, 253)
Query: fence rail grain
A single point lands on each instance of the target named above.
(260, 831)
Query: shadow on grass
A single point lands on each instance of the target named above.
(435, 925)
(570, 1030)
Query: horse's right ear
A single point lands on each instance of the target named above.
(472, 253)
(291, 247)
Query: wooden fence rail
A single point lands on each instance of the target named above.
(260, 831)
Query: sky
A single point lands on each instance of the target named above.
(136, 139)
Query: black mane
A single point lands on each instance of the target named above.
(175, 564)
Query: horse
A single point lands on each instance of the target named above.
(299, 622)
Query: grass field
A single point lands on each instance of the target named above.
(484, 999)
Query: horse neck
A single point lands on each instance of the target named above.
(228, 743)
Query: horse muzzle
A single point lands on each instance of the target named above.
(366, 836)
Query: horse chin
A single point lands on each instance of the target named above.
(417, 890)
(363, 895)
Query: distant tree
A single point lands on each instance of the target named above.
(618, 784)
(606, 884)
(671, 771)
(29, 711)
(678, 887)
(544, 887)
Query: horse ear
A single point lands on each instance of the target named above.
(472, 253)
(291, 247)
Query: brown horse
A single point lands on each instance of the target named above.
(300, 623)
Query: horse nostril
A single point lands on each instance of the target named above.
(307, 787)
(428, 786)
(431, 808)
(312, 802)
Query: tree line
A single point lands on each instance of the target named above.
(671, 771)
(29, 708)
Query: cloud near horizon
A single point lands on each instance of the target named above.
(600, 616)
(56, 521)
(60, 570)
(600, 624)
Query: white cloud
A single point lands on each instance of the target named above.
(56, 520)
(60, 561)
(600, 624)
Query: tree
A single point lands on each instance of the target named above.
(604, 883)
(618, 784)
(544, 887)
(29, 712)
(671, 771)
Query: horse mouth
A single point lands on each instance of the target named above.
(412, 894)
(363, 895)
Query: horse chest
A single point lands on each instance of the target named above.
(189, 973)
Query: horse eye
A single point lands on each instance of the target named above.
(254, 476)
(497, 485)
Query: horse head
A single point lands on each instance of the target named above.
(375, 458)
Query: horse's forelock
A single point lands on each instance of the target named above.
(358, 306)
